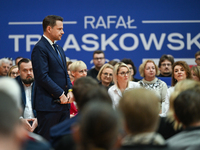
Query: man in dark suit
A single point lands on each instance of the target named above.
(51, 78)
(26, 83)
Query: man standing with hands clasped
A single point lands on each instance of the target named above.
(52, 81)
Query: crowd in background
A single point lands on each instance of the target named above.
(111, 109)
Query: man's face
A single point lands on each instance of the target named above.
(198, 60)
(4, 68)
(98, 60)
(57, 31)
(166, 68)
(26, 73)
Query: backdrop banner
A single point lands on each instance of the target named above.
(136, 29)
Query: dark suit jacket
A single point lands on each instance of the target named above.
(24, 94)
(51, 77)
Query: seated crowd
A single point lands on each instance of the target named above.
(111, 109)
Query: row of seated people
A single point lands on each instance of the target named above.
(121, 74)
(133, 124)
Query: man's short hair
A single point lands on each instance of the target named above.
(50, 21)
(4, 60)
(187, 106)
(23, 60)
(98, 52)
(166, 57)
(140, 108)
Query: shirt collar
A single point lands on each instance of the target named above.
(51, 43)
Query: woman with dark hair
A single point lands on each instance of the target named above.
(132, 68)
(180, 71)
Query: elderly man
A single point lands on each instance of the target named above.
(4, 66)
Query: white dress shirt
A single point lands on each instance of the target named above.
(116, 94)
(28, 111)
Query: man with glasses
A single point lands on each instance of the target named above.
(197, 58)
(165, 65)
(99, 61)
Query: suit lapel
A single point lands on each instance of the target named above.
(53, 52)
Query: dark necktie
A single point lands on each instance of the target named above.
(56, 49)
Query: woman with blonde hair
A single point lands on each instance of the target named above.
(195, 73)
(148, 69)
(105, 75)
(78, 69)
(13, 71)
(122, 83)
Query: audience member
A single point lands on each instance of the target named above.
(197, 58)
(78, 69)
(53, 88)
(148, 69)
(195, 73)
(140, 108)
(132, 68)
(98, 127)
(13, 71)
(180, 71)
(165, 65)
(99, 61)
(18, 59)
(26, 82)
(187, 112)
(12, 133)
(122, 82)
(105, 75)
(4, 66)
(168, 125)
(32, 141)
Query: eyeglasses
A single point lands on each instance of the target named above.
(82, 71)
(198, 59)
(124, 73)
(98, 58)
(166, 65)
(107, 74)
(13, 73)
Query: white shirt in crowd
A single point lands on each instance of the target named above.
(116, 94)
(28, 111)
